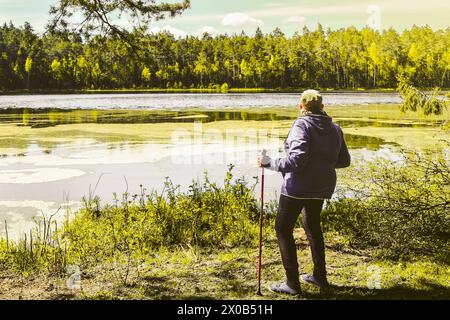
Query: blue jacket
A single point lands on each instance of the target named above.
(315, 147)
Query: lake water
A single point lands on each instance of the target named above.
(49, 160)
(186, 101)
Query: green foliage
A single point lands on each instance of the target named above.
(401, 208)
(56, 69)
(4, 256)
(146, 74)
(130, 229)
(101, 16)
(414, 100)
(224, 88)
(28, 64)
(41, 249)
(344, 58)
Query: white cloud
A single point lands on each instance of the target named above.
(272, 10)
(273, 5)
(240, 19)
(351, 7)
(207, 29)
(295, 19)
(178, 33)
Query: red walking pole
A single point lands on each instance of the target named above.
(261, 221)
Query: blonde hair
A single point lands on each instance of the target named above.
(312, 101)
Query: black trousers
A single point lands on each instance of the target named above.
(288, 211)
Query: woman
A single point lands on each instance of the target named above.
(315, 147)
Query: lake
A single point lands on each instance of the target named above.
(185, 101)
(55, 149)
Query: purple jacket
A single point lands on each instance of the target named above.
(315, 147)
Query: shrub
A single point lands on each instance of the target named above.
(402, 208)
(224, 88)
(205, 216)
(129, 229)
(39, 250)
(415, 100)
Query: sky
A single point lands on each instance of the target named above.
(233, 16)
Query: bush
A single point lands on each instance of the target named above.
(224, 88)
(206, 216)
(40, 250)
(401, 208)
(130, 229)
(415, 100)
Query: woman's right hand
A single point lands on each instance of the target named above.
(264, 160)
(260, 163)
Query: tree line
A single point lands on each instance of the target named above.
(346, 58)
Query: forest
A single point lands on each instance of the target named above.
(348, 58)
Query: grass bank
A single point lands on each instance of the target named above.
(190, 273)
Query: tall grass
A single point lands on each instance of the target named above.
(134, 225)
(40, 249)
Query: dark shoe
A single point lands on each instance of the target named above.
(284, 288)
(312, 280)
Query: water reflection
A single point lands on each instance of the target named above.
(43, 118)
(366, 142)
(354, 123)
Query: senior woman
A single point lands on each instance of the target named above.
(315, 147)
